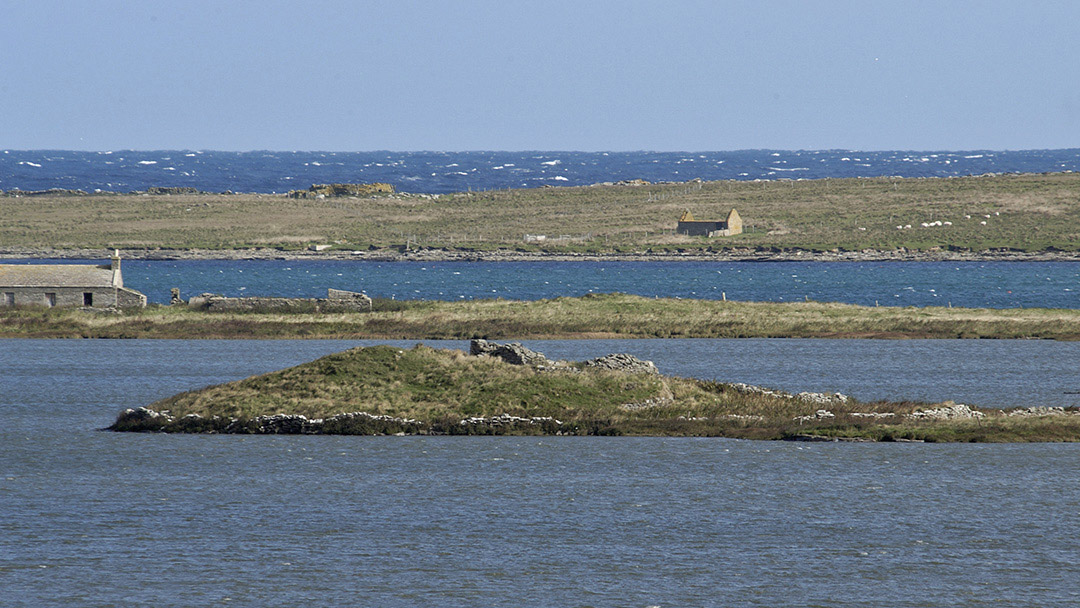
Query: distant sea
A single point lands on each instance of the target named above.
(441, 172)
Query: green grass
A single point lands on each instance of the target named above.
(591, 316)
(1027, 213)
(429, 391)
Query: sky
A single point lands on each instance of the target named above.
(347, 75)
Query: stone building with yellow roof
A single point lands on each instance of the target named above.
(729, 227)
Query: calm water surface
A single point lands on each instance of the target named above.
(100, 519)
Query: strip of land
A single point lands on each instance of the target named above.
(591, 316)
(509, 390)
(985, 217)
(513, 255)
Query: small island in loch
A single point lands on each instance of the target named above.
(507, 389)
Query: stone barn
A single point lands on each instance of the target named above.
(67, 285)
(729, 227)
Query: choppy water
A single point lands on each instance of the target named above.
(100, 519)
(440, 172)
(973, 284)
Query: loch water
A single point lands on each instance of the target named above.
(92, 518)
(969, 284)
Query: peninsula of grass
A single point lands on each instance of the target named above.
(385, 390)
(1018, 213)
(590, 316)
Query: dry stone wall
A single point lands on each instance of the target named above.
(337, 300)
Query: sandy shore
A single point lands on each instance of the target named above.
(440, 255)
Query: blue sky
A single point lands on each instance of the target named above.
(554, 75)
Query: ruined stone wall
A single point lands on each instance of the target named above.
(329, 190)
(350, 298)
(129, 298)
(217, 303)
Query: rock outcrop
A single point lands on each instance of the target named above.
(332, 190)
(508, 420)
(873, 415)
(822, 398)
(808, 397)
(169, 190)
(16, 193)
(513, 352)
(623, 362)
(948, 411)
(142, 419)
(818, 415)
(1029, 412)
(516, 354)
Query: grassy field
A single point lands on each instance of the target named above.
(386, 390)
(592, 316)
(1017, 212)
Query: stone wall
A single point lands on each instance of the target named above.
(337, 301)
(129, 298)
(331, 190)
(351, 298)
(168, 190)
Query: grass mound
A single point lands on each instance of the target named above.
(387, 390)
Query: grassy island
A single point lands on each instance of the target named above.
(605, 315)
(590, 316)
(509, 390)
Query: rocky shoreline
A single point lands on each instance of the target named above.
(450, 255)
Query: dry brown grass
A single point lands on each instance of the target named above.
(596, 316)
(1033, 212)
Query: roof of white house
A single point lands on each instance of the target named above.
(55, 275)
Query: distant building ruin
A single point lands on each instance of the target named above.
(67, 285)
(336, 300)
(331, 190)
(729, 227)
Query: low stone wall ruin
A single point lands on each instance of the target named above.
(337, 300)
(331, 190)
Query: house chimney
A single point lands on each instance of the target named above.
(117, 279)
